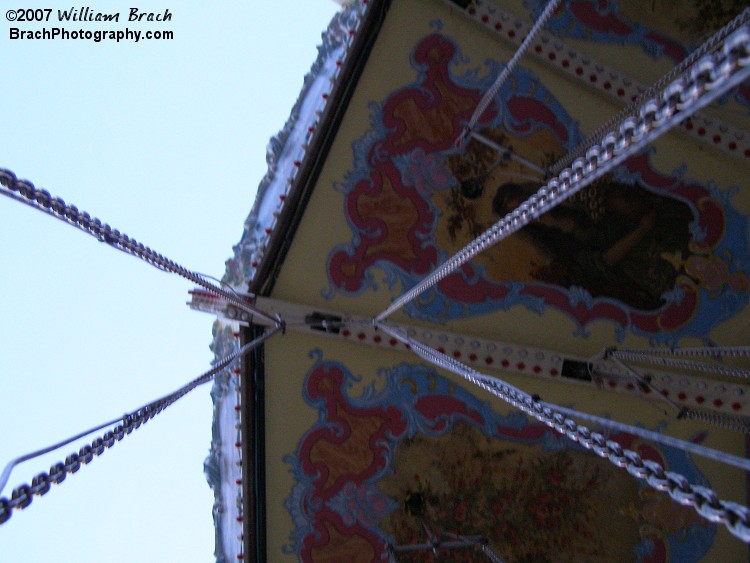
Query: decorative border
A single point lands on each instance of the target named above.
(288, 148)
(223, 465)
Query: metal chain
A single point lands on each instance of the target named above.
(721, 420)
(645, 384)
(25, 192)
(704, 500)
(690, 447)
(40, 485)
(491, 554)
(683, 364)
(632, 109)
(657, 356)
(708, 79)
(716, 351)
(509, 68)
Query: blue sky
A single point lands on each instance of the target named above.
(166, 141)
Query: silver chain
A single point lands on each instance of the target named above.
(705, 501)
(682, 364)
(659, 356)
(491, 553)
(22, 495)
(707, 46)
(25, 192)
(706, 351)
(709, 78)
(509, 68)
(721, 420)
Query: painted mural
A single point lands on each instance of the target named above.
(654, 252)
(417, 449)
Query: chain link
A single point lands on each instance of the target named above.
(734, 516)
(728, 371)
(25, 192)
(709, 78)
(713, 43)
(509, 68)
(22, 495)
(491, 553)
(726, 421)
(704, 351)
